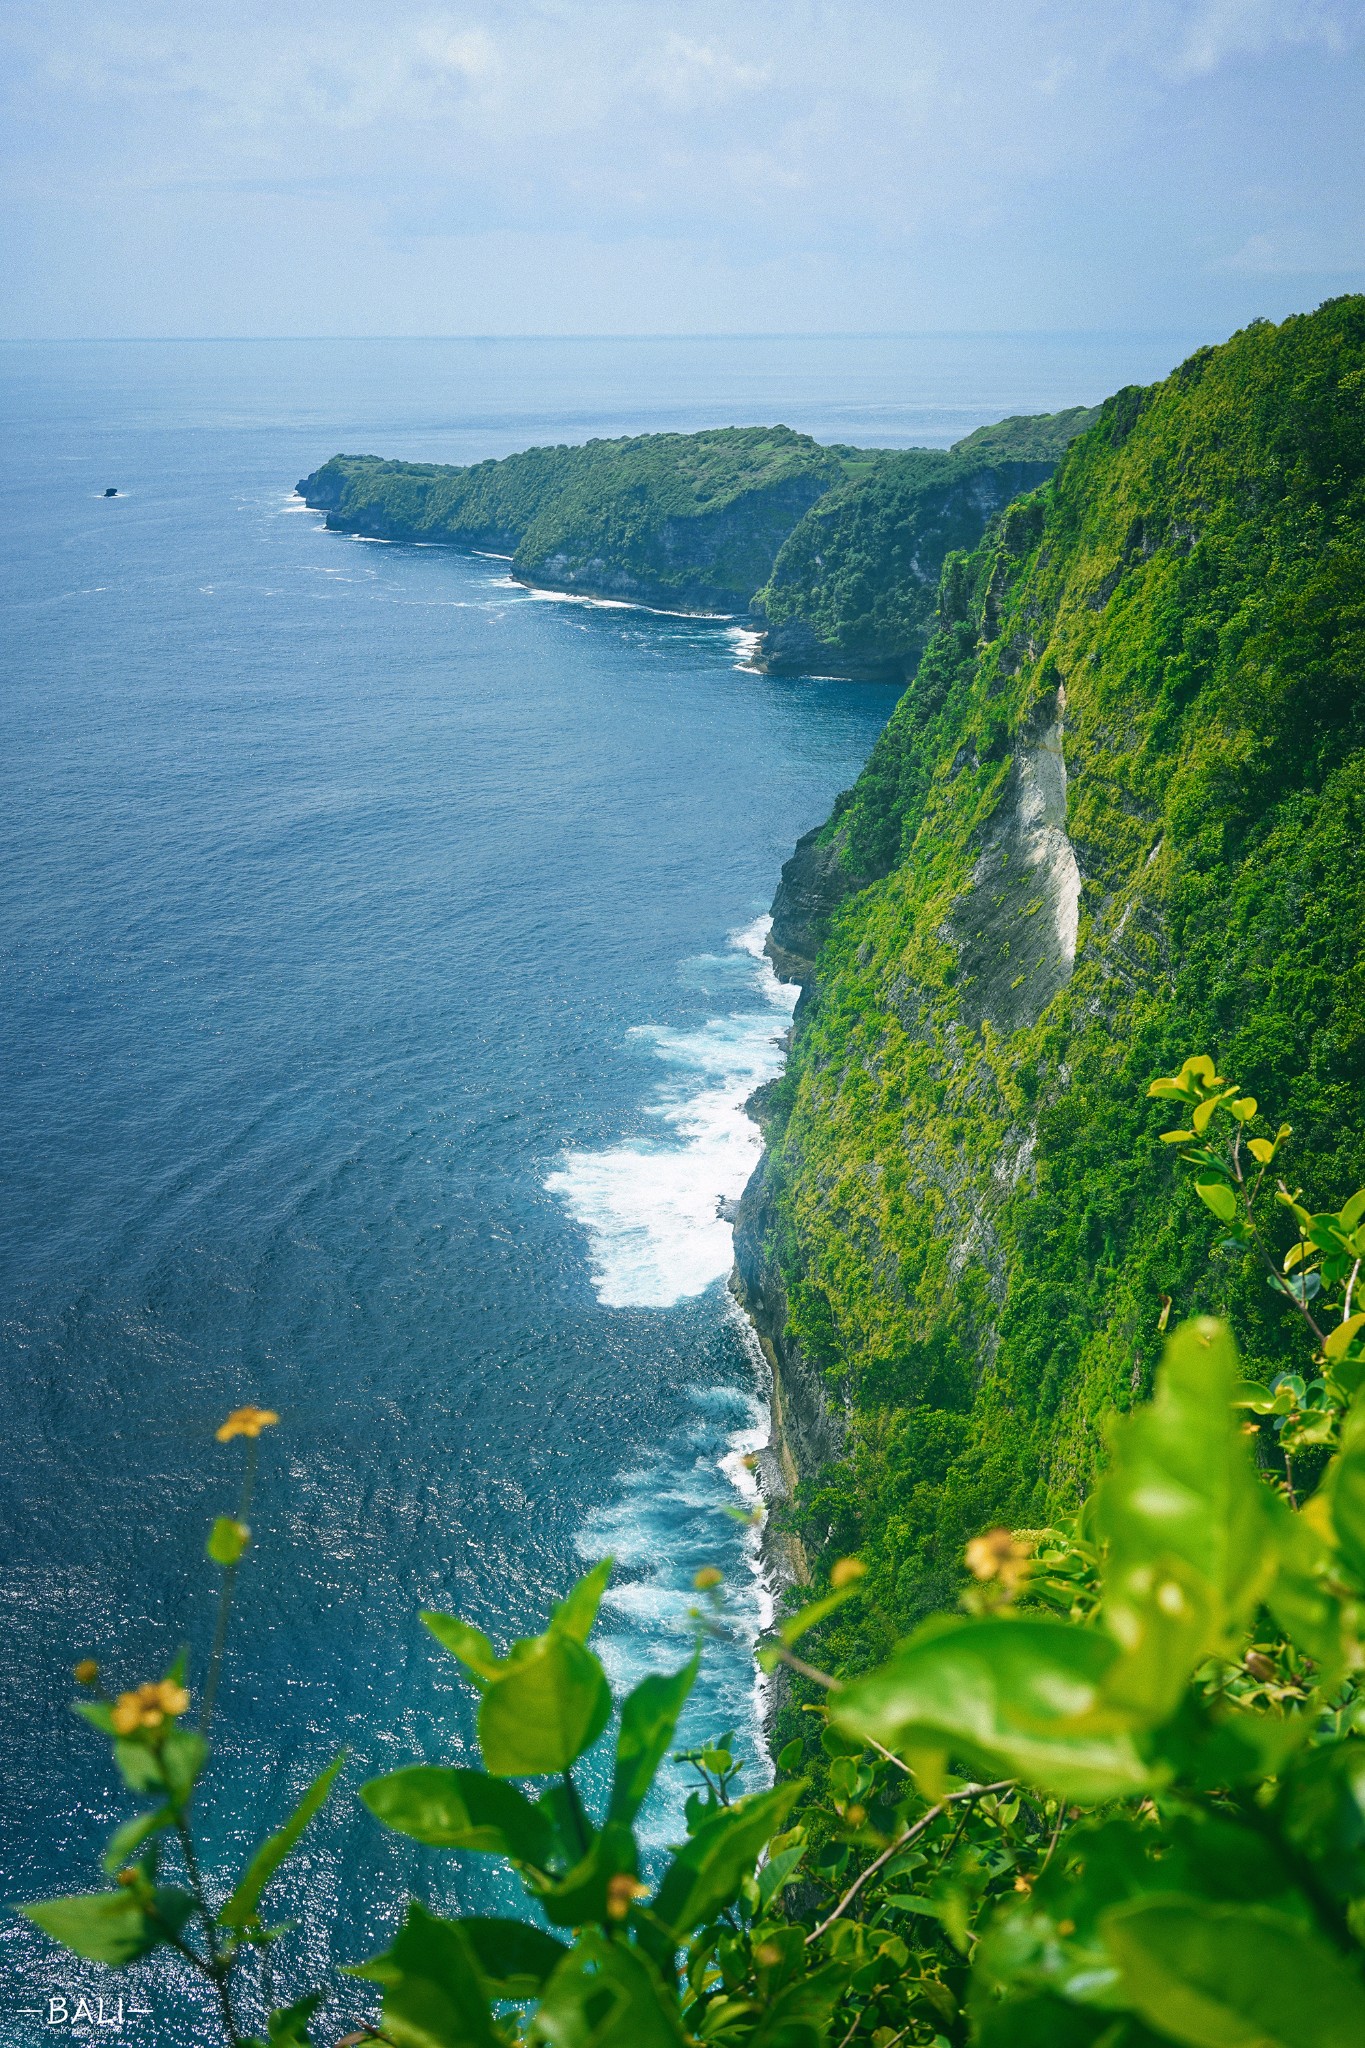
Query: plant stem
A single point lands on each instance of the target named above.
(218, 1964)
(1056, 1835)
(226, 1590)
(906, 1835)
(1270, 1266)
(796, 1663)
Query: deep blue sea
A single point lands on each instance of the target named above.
(380, 984)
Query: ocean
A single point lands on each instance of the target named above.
(382, 982)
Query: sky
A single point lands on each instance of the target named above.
(283, 167)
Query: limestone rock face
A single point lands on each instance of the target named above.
(1016, 926)
(815, 881)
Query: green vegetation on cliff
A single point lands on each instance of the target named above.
(692, 520)
(1119, 813)
(854, 585)
(698, 522)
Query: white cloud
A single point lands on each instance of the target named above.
(926, 154)
(1213, 33)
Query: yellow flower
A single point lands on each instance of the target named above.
(622, 1892)
(149, 1706)
(708, 1577)
(246, 1421)
(999, 1554)
(845, 1572)
(86, 1672)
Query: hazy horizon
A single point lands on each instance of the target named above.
(605, 168)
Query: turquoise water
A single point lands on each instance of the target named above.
(382, 980)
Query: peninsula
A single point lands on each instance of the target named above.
(834, 552)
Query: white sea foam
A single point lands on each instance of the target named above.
(651, 1207)
(668, 1518)
(746, 644)
(650, 1210)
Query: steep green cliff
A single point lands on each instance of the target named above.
(692, 521)
(852, 591)
(1116, 819)
(698, 522)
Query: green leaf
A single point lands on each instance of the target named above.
(458, 1809)
(1300, 1596)
(513, 1958)
(800, 2014)
(241, 1907)
(1339, 1340)
(790, 1754)
(1320, 1810)
(1255, 1395)
(139, 1766)
(796, 1625)
(112, 1927)
(184, 1752)
(581, 1894)
(777, 1873)
(469, 1644)
(433, 1994)
(1185, 1522)
(705, 1876)
(1216, 1194)
(227, 1541)
(605, 1995)
(1217, 1976)
(133, 1834)
(576, 1614)
(545, 1710)
(1045, 2022)
(1009, 1697)
(289, 2028)
(649, 1716)
(1345, 1490)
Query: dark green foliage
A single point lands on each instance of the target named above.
(967, 1172)
(696, 521)
(692, 520)
(854, 586)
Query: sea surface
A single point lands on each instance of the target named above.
(381, 981)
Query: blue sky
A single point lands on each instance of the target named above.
(621, 166)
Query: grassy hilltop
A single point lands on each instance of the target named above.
(837, 550)
(1117, 818)
(686, 521)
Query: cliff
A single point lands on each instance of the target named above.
(688, 522)
(722, 522)
(853, 588)
(1116, 818)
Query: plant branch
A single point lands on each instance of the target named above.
(790, 1658)
(907, 1835)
